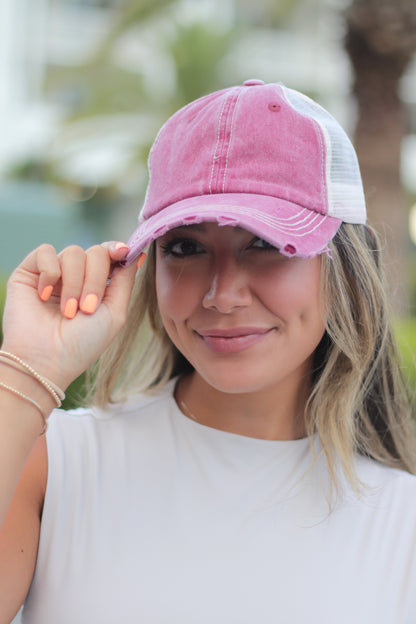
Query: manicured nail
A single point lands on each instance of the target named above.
(141, 259)
(46, 293)
(89, 305)
(123, 246)
(71, 308)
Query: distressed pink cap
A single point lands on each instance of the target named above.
(259, 156)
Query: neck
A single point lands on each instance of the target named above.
(275, 413)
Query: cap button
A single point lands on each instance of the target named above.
(253, 82)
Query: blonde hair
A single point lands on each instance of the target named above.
(359, 402)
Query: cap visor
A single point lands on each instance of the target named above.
(294, 230)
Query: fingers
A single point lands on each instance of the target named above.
(119, 289)
(97, 269)
(73, 266)
(80, 279)
(49, 270)
(40, 269)
(118, 251)
(84, 276)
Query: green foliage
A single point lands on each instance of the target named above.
(3, 282)
(131, 14)
(197, 51)
(412, 280)
(99, 86)
(268, 13)
(32, 169)
(406, 338)
(96, 88)
(75, 394)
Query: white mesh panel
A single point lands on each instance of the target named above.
(345, 189)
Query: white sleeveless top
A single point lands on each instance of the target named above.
(152, 518)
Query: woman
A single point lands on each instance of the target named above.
(247, 454)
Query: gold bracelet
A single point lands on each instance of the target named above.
(28, 400)
(15, 362)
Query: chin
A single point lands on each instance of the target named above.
(235, 382)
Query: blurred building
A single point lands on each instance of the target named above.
(36, 35)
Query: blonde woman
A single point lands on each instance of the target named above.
(247, 452)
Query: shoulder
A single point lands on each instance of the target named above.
(388, 490)
(87, 427)
(375, 474)
(89, 447)
(135, 407)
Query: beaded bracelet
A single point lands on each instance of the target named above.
(15, 362)
(28, 400)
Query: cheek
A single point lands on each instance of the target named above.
(176, 293)
(295, 292)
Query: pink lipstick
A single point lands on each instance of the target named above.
(233, 340)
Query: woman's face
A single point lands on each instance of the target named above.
(246, 317)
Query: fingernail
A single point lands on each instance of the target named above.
(71, 308)
(119, 246)
(46, 293)
(141, 259)
(89, 305)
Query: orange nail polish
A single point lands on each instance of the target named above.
(89, 305)
(141, 259)
(46, 293)
(71, 308)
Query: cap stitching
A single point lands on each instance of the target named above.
(230, 139)
(326, 166)
(323, 167)
(307, 221)
(306, 224)
(214, 157)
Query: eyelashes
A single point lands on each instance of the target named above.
(263, 245)
(182, 247)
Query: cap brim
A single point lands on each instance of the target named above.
(293, 229)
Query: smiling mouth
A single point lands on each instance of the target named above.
(233, 340)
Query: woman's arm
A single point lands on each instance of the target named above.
(19, 535)
(60, 315)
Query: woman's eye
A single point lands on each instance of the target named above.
(181, 247)
(260, 243)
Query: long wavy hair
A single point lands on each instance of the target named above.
(359, 401)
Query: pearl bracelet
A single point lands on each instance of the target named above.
(15, 362)
(28, 400)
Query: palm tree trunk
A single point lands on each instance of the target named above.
(381, 126)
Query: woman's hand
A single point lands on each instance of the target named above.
(60, 314)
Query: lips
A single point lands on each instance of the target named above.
(233, 340)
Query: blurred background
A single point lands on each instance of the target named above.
(85, 85)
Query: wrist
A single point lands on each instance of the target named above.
(28, 386)
(39, 363)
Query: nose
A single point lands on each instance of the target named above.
(228, 287)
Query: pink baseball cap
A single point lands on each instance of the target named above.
(259, 156)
